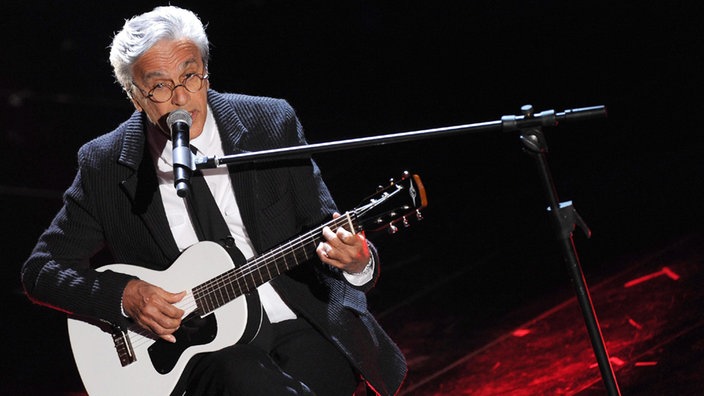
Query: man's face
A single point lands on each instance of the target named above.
(167, 64)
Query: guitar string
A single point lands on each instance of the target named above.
(254, 267)
(247, 270)
(216, 285)
(235, 275)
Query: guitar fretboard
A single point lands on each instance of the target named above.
(231, 284)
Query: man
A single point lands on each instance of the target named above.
(316, 335)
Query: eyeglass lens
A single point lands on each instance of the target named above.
(163, 92)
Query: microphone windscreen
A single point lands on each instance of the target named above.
(179, 115)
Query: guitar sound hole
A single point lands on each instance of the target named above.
(194, 330)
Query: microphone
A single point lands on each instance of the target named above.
(179, 122)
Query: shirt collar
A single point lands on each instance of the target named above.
(207, 143)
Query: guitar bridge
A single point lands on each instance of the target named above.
(123, 346)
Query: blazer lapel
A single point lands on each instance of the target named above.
(233, 134)
(142, 187)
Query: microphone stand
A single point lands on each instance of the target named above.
(565, 218)
(530, 124)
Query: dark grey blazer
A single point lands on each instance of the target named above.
(114, 203)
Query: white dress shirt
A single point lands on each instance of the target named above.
(218, 180)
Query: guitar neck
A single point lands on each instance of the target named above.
(229, 285)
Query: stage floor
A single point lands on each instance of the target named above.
(650, 315)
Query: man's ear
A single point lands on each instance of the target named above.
(135, 104)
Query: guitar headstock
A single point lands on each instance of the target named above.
(397, 202)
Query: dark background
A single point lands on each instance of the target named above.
(364, 68)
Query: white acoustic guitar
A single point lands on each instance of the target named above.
(136, 362)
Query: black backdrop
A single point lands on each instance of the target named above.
(365, 68)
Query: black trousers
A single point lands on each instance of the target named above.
(286, 358)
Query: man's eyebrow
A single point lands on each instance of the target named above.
(159, 73)
(153, 74)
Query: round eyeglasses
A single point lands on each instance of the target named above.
(163, 91)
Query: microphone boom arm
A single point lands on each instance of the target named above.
(506, 124)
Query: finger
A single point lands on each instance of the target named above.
(169, 316)
(322, 251)
(164, 328)
(173, 298)
(343, 234)
(350, 239)
(169, 308)
(167, 325)
(164, 333)
(160, 315)
(328, 235)
(169, 338)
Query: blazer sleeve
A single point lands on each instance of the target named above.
(58, 272)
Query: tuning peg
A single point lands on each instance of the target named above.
(405, 222)
(419, 215)
(392, 228)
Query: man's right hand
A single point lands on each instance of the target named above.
(152, 308)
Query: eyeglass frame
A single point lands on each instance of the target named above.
(150, 94)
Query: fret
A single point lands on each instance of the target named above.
(219, 297)
(283, 259)
(250, 283)
(268, 272)
(261, 279)
(301, 255)
(230, 291)
(204, 303)
(272, 266)
(226, 287)
(239, 285)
